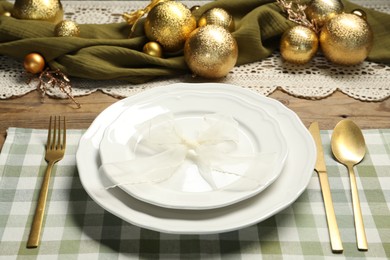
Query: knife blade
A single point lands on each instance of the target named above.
(320, 167)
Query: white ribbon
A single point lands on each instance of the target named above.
(164, 147)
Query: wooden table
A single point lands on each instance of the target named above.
(29, 112)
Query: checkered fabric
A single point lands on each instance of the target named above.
(77, 228)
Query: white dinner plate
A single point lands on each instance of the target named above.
(292, 181)
(259, 139)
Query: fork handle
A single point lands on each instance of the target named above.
(36, 227)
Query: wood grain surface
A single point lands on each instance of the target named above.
(30, 112)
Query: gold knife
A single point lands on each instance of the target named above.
(320, 167)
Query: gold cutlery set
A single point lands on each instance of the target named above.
(348, 147)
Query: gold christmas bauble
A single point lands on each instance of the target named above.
(298, 44)
(47, 10)
(360, 13)
(5, 13)
(67, 28)
(217, 16)
(34, 63)
(320, 11)
(346, 39)
(211, 51)
(153, 49)
(194, 8)
(169, 23)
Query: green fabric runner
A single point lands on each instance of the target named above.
(103, 51)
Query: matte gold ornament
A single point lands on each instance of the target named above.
(217, 16)
(34, 63)
(211, 51)
(346, 39)
(47, 10)
(298, 44)
(153, 49)
(319, 11)
(67, 28)
(169, 23)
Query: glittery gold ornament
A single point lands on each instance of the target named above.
(47, 10)
(346, 39)
(67, 28)
(153, 49)
(298, 44)
(34, 63)
(217, 16)
(211, 51)
(169, 23)
(319, 11)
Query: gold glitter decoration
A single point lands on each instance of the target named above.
(169, 23)
(133, 17)
(217, 16)
(67, 28)
(346, 39)
(298, 44)
(211, 51)
(319, 11)
(47, 10)
(153, 49)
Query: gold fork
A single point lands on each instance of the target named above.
(55, 150)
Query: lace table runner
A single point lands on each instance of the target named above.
(318, 79)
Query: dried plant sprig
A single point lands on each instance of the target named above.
(54, 78)
(296, 13)
(133, 18)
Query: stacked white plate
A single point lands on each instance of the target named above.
(185, 203)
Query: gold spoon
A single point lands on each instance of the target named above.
(349, 148)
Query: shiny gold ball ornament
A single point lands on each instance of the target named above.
(194, 8)
(346, 39)
(5, 13)
(153, 49)
(34, 63)
(211, 51)
(67, 28)
(298, 44)
(320, 11)
(169, 23)
(46, 10)
(360, 13)
(217, 16)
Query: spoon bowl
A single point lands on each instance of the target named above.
(349, 148)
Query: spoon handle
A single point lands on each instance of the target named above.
(357, 212)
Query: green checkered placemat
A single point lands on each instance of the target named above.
(77, 228)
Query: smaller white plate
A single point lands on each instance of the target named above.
(186, 189)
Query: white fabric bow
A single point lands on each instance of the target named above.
(162, 147)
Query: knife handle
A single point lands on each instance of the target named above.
(335, 239)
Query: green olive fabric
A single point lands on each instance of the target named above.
(104, 51)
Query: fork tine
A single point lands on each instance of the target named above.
(54, 145)
(64, 136)
(59, 146)
(48, 144)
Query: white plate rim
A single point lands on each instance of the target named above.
(225, 219)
